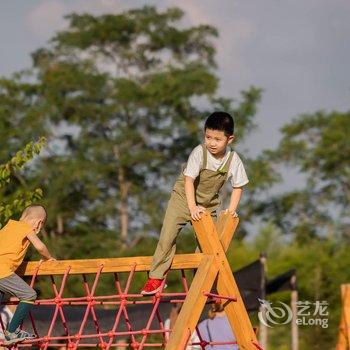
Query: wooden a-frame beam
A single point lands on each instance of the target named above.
(213, 246)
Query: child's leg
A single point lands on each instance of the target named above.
(14, 285)
(176, 217)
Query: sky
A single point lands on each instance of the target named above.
(298, 51)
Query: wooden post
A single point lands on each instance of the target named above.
(344, 328)
(211, 245)
(263, 330)
(346, 308)
(294, 307)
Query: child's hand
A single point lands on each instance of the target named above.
(50, 259)
(232, 212)
(196, 212)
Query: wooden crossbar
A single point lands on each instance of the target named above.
(143, 263)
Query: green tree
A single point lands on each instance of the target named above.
(22, 117)
(127, 94)
(318, 146)
(15, 194)
(311, 221)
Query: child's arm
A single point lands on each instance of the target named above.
(195, 209)
(234, 201)
(40, 246)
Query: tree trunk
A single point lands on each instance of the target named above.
(124, 187)
(60, 224)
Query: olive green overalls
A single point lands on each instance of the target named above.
(207, 186)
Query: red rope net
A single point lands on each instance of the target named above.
(72, 322)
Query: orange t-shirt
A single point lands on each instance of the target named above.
(13, 246)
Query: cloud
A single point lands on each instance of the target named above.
(96, 7)
(43, 19)
(194, 13)
(236, 31)
(47, 17)
(235, 36)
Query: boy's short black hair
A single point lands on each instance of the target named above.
(221, 121)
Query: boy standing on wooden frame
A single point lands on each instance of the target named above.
(197, 189)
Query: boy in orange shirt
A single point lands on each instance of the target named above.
(15, 238)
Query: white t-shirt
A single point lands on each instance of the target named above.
(194, 338)
(237, 174)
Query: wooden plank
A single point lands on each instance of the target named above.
(346, 309)
(226, 227)
(236, 312)
(342, 335)
(193, 305)
(59, 267)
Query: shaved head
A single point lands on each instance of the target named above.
(34, 212)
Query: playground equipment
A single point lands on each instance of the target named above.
(344, 328)
(211, 267)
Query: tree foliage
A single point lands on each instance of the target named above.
(318, 147)
(125, 96)
(15, 193)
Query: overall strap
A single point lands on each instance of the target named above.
(224, 169)
(227, 164)
(205, 157)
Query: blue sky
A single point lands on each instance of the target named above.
(298, 51)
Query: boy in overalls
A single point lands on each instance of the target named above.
(197, 189)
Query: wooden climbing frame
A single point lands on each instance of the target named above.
(212, 271)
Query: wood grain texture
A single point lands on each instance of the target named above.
(344, 327)
(59, 267)
(210, 243)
